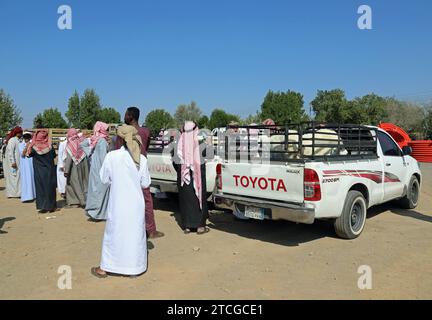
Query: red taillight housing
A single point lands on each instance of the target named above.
(312, 186)
(219, 176)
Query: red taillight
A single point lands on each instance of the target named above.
(219, 176)
(312, 187)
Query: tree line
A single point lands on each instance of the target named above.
(83, 112)
(282, 107)
(331, 106)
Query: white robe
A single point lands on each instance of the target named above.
(61, 179)
(12, 176)
(124, 248)
(28, 188)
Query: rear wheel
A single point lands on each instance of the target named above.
(410, 201)
(353, 218)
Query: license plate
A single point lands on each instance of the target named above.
(254, 213)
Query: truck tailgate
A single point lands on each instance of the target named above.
(276, 182)
(161, 168)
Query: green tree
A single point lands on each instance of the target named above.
(90, 108)
(10, 115)
(408, 116)
(185, 112)
(158, 119)
(73, 112)
(331, 106)
(203, 122)
(50, 118)
(109, 115)
(252, 118)
(283, 107)
(427, 124)
(83, 111)
(219, 118)
(369, 109)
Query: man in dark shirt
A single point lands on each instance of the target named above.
(131, 118)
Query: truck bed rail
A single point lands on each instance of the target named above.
(306, 141)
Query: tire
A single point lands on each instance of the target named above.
(410, 201)
(353, 218)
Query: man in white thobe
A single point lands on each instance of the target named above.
(61, 179)
(12, 164)
(124, 248)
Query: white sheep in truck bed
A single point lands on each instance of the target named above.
(329, 137)
(322, 137)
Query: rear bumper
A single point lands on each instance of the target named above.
(164, 185)
(277, 210)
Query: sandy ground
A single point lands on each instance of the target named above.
(236, 260)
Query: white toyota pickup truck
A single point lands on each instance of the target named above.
(162, 171)
(314, 171)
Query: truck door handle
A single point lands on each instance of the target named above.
(388, 164)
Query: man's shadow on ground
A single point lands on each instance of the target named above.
(171, 205)
(3, 221)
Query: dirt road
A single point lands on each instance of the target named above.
(236, 260)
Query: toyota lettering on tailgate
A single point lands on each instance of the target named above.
(262, 183)
(160, 168)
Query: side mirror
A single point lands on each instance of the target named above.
(407, 150)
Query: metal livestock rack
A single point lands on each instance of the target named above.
(56, 134)
(300, 142)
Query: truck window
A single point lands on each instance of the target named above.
(388, 146)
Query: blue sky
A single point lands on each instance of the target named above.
(219, 53)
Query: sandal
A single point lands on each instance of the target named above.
(203, 230)
(156, 234)
(97, 274)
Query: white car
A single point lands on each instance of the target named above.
(320, 172)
